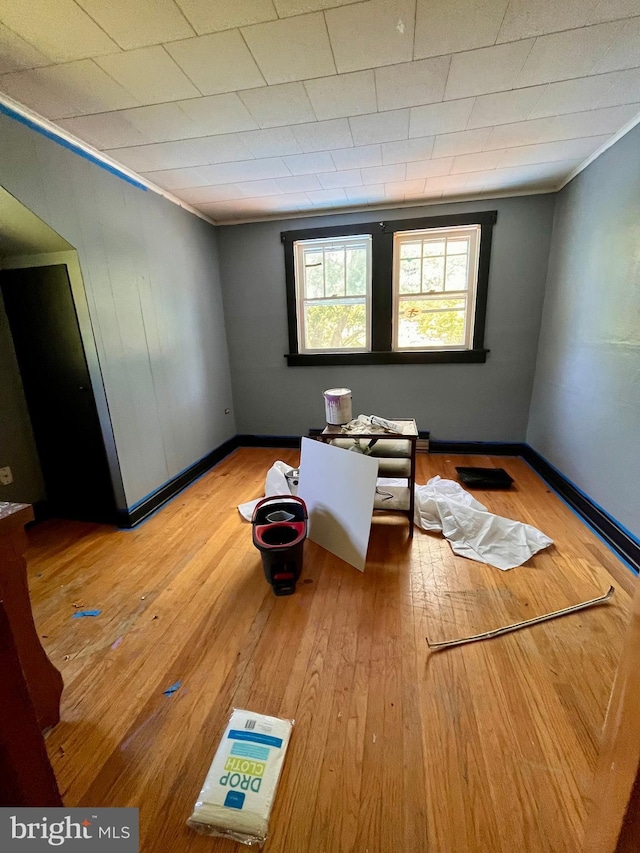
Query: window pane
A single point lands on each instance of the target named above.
(432, 274)
(431, 322)
(458, 246)
(456, 272)
(433, 247)
(356, 272)
(313, 277)
(334, 272)
(335, 326)
(410, 250)
(410, 275)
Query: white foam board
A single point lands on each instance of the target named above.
(338, 487)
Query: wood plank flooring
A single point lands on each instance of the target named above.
(486, 748)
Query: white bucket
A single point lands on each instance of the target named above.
(337, 405)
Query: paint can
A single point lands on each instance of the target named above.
(337, 405)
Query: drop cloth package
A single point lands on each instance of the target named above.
(237, 795)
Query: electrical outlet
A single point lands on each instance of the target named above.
(6, 477)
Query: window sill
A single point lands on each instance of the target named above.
(472, 356)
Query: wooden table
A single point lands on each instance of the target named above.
(43, 680)
(392, 462)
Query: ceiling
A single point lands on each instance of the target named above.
(247, 109)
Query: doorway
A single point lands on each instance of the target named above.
(51, 358)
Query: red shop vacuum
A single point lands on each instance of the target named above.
(279, 527)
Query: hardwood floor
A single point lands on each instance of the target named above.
(486, 748)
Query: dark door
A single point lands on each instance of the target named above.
(46, 336)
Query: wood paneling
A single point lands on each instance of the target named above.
(488, 748)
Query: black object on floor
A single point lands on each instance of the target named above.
(485, 478)
(279, 527)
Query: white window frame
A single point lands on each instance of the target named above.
(468, 294)
(325, 244)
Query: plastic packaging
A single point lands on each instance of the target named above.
(238, 792)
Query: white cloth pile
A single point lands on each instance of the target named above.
(276, 484)
(472, 531)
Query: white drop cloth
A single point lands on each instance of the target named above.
(472, 531)
(276, 484)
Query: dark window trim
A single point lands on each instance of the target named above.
(382, 293)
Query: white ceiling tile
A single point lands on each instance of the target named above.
(571, 96)
(521, 177)
(210, 17)
(384, 174)
(323, 135)
(464, 142)
(380, 127)
(488, 69)
(412, 83)
(505, 107)
(521, 133)
(16, 54)
(254, 208)
(609, 10)
(255, 189)
(327, 197)
(309, 164)
(105, 130)
(594, 122)
(277, 105)
(446, 183)
(138, 23)
(291, 49)
(299, 7)
(476, 162)
(150, 74)
(62, 91)
(248, 170)
(429, 168)
(217, 114)
(61, 31)
(176, 179)
(162, 122)
(446, 117)
(343, 95)
(625, 90)
(182, 154)
(217, 63)
(572, 53)
(625, 51)
(272, 142)
(449, 26)
(571, 149)
(299, 184)
(366, 195)
(378, 32)
(525, 18)
(202, 195)
(355, 158)
(400, 189)
(407, 150)
(331, 180)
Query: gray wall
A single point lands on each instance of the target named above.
(455, 401)
(585, 408)
(152, 284)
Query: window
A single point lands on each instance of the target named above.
(403, 291)
(434, 285)
(333, 294)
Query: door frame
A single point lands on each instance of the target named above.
(70, 259)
